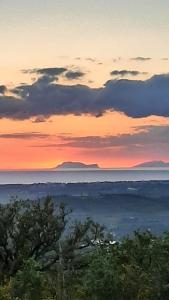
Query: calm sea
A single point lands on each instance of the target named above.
(66, 176)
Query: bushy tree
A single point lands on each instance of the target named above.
(39, 231)
(135, 269)
(32, 229)
(29, 282)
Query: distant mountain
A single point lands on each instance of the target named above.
(153, 164)
(76, 165)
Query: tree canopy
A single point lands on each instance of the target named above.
(46, 256)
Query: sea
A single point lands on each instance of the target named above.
(74, 176)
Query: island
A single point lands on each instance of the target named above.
(76, 165)
(153, 164)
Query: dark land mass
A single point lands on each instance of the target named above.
(76, 165)
(121, 206)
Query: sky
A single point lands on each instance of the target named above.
(83, 81)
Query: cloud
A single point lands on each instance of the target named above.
(140, 58)
(52, 74)
(78, 58)
(138, 98)
(71, 75)
(3, 89)
(123, 73)
(46, 71)
(46, 75)
(117, 59)
(39, 119)
(91, 59)
(45, 97)
(23, 135)
(154, 136)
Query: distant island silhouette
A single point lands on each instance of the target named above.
(76, 165)
(153, 164)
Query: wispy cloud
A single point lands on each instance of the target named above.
(141, 58)
(23, 135)
(150, 135)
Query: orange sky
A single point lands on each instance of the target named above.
(27, 153)
(19, 153)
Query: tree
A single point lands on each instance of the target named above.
(39, 230)
(29, 282)
(135, 269)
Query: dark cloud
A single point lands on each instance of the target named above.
(140, 58)
(71, 75)
(44, 97)
(47, 71)
(23, 135)
(52, 74)
(123, 73)
(46, 75)
(3, 89)
(138, 98)
(51, 71)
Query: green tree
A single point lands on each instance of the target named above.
(135, 269)
(29, 282)
(39, 230)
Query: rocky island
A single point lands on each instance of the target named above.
(153, 164)
(76, 165)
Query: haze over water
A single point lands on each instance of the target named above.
(73, 176)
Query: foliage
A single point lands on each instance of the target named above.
(31, 229)
(28, 282)
(5, 291)
(44, 257)
(137, 268)
(35, 238)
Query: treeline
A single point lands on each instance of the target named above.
(43, 256)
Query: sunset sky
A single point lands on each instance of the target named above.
(83, 81)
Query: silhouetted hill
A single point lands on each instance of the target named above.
(153, 164)
(76, 165)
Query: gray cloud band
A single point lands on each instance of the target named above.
(144, 136)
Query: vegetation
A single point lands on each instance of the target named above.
(44, 256)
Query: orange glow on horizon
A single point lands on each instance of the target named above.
(28, 154)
